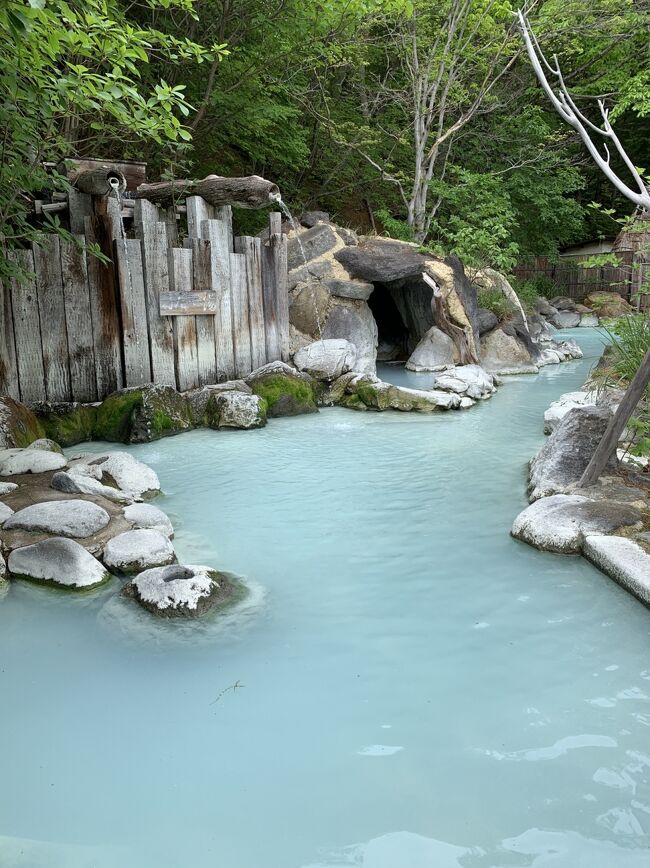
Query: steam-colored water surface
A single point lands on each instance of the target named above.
(415, 689)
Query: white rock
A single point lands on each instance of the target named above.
(137, 550)
(15, 461)
(60, 561)
(130, 475)
(558, 409)
(466, 402)
(327, 359)
(176, 587)
(75, 481)
(623, 560)
(143, 515)
(7, 487)
(5, 512)
(449, 383)
(238, 410)
(566, 319)
(477, 382)
(589, 321)
(548, 357)
(74, 518)
(435, 352)
(561, 522)
(46, 445)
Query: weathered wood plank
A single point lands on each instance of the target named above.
(8, 369)
(27, 330)
(224, 213)
(276, 298)
(205, 336)
(271, 331)
(619, 420)
(198, 210)
(155, 262)
(83, 378)
(80, 206)
(240, 324)
(169, 217)
(133, 307)
(252, 250)
(180, 272)
(51, 306)
(189, 303)
(104, 311)
(217, 232)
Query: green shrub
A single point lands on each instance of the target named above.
(495, 301)
(628, 342)
(540, 285)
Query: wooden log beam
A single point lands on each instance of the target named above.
(249, 192)
(100, 181)
(619, 420)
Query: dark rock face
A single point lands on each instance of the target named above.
(412, 298)
(563, 459)
(313, 271)
(353, 321)
(18, 425)
(358, 289)
(315, 242)
(311, 218)
(466, 292)
(486, 320)
(517, 328)
(382, 261)
(67, 423)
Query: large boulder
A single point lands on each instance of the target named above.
(435, 352)
(308, 307)
(353, 321)
(14, 462)
(144, 515)
(137, 550)
(18, 425)
(564, 404)
(80, 482)
(360, 290)
(236, 410)
(566, 319)
(589, 321)
(608, 305)
(72, 518)
(382, 260)
(623, 560)
(470, 380)
(180, 591)
(199, 399)
(561, 522)
(361, 392)
(287, 391)
(327, 359)
(505, 353)
(486, 320)
(57, 561)
(118, 470)
(312, 244)
(562, 460)
(67, 423)
(141, 414)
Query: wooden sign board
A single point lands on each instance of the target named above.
(202, 302)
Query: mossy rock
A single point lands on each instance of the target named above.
(18, 425)
(352, 402)
(68, 424)
(286, 396)
(287, 392)
(142, 414)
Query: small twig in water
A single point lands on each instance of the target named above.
(232, 687)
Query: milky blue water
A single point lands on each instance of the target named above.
(407, 686)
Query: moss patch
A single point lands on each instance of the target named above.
(142, 415)
(18, 425)
(114, 418)
(70, 426)
(285, 396)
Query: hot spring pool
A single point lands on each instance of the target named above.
(407, 686)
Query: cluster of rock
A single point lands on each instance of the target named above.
(566, 313)
(339, 283)
(609, 522)
(76, 523)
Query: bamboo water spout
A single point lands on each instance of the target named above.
(248, 192)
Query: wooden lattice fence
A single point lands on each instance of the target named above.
(77, 329)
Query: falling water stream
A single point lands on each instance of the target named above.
(405, 687)
(310, 283)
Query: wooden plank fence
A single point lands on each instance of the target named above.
(77, 328)
(575, 281)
